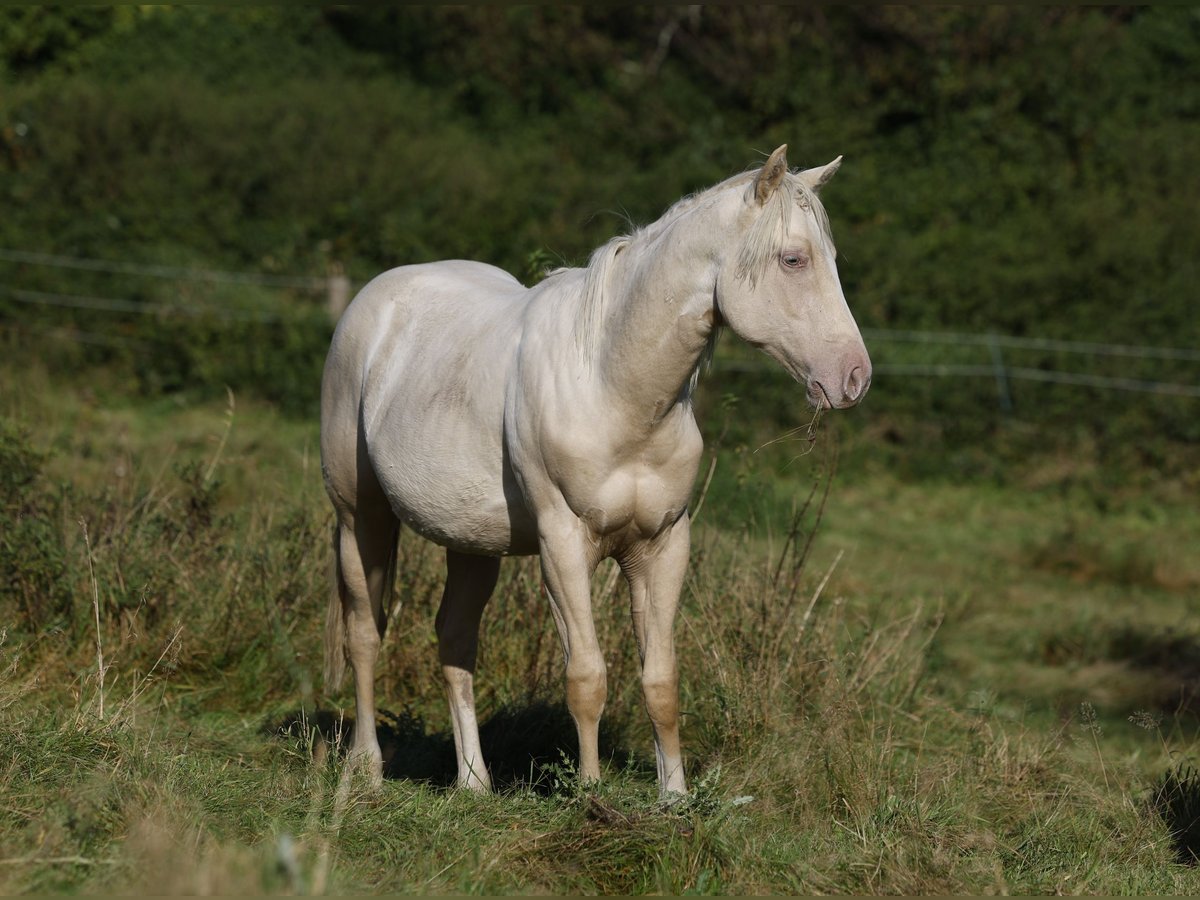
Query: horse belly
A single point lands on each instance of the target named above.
(450, 485)
(466, 515)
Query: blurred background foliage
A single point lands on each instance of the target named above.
(1012, 170)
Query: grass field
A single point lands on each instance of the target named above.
(951, 688)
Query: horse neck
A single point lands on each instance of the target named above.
(661, 310)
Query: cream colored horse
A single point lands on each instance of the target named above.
(498, 420)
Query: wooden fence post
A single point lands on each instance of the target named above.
(339, 291)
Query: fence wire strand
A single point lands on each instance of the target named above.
(998, 368)
(938, 370)
(153, 270)
(1023, 343)
(116, 305)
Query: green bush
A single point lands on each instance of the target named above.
(1008, 170)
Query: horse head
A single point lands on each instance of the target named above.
(778, 289)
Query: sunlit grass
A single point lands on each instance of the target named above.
(949, 689)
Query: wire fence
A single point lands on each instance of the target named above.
(337, 290)
(116, 267)
(116, 305)
(1003, 373)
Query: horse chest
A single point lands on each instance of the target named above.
(646, 504)
(637, 493)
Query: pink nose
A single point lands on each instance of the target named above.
(856, 381)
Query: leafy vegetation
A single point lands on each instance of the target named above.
(1009, 170)
(964, 663)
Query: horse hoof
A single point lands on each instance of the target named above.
(669, 799)
(368, 766)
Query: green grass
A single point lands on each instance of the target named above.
(951, 689)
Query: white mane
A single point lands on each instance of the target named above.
(590, 325)
(768, 233)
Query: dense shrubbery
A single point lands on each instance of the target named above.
(1010, 170)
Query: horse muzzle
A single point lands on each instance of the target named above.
(845, 390)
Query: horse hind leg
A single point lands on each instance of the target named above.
(470, 581)
(365, 560)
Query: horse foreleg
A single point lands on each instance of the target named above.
(655, 571)
(568, 560)
(470, 581)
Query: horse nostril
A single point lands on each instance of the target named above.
(856, 383)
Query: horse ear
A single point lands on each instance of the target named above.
(816, 178)
(770, 176)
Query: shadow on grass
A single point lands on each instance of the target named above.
(1174, 658)
(525, 746)
(1171, 658)
(1176, 798)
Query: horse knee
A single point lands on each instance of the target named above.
(661, 692)
(587, 688)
